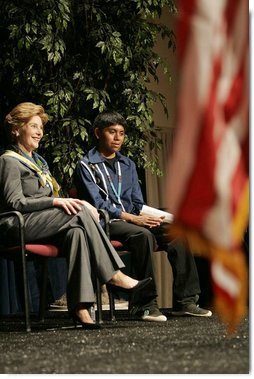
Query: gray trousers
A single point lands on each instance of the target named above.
(84, 244)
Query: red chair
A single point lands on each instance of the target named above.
(21, 253)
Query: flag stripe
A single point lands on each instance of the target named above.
(186, 8)
(225, 280)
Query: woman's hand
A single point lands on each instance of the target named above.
(70, 206)
(73, 206)
(92, 209)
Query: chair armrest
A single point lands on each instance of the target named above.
(21, 222)
(105, 217)
(13, 213)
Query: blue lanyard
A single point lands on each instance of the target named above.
(119, 176)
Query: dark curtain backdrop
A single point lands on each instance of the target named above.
(11, 285)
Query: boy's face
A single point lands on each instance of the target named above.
(110, 139)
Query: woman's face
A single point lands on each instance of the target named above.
(29, 136)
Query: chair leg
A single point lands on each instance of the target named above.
(25, 293)
(111, 306)
(43, 289)
(24, 270)
(99, 302)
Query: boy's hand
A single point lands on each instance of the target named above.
(142, 220)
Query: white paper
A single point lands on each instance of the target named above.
(150, 211)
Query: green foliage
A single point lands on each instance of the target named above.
(78, 58)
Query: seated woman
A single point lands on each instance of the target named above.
(26, 185)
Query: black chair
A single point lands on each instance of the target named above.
(122, 252)
(21, 253)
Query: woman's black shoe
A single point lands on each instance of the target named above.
(85, 325)
(139, 286)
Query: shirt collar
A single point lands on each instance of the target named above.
(95, 157)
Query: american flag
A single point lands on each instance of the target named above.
(208, 179)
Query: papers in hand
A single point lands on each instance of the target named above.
(150, 211)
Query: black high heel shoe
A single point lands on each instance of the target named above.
(85, 325)
(139, 286)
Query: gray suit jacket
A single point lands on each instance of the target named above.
(20, 190)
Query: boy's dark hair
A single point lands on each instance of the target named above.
(105, 119)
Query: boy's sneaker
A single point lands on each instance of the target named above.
(153, 314)
(191, 309)
(59, 304)
(149, 312)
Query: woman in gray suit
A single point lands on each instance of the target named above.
(26, 185)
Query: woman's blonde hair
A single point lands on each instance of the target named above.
(20, 115)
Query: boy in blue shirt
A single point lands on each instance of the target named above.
(109, 180)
